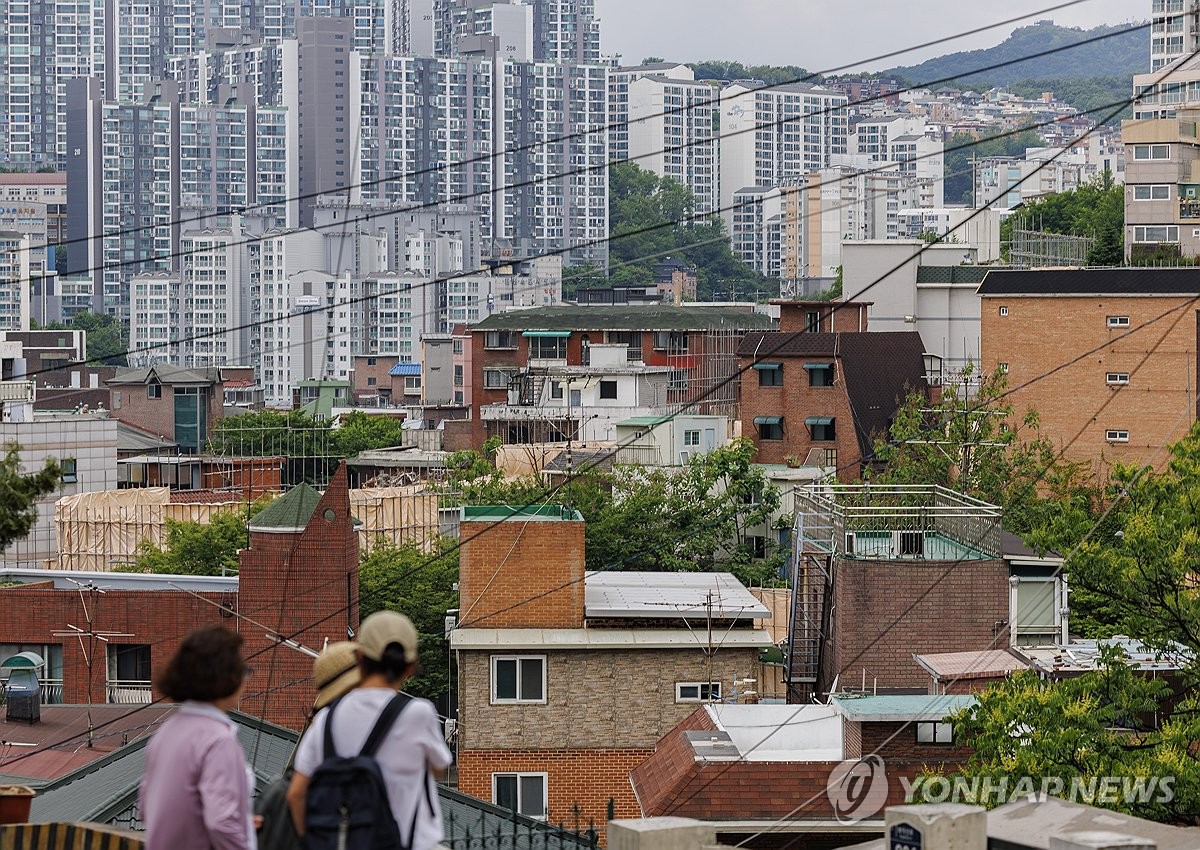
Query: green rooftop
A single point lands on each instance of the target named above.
(901, 707)
(644, 421)
(500, 513)
(640, 317)
(290, 512)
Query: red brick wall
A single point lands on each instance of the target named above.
(1075, 403)
(897, 741)
(540, 563)
(157, 415)
(363, 370)
(579, 783)
(795, 401)
(939, 605)
(847, 317)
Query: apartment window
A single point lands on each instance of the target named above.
(1118, 321)
(812, 321)
(1003, 311)
(556, 389)
(519, 679)
(769, 427)
(1154, 233)
(821, 427)
(67, 470)
(930, 732)
(458, 346)
(548, 347)
(1003, 368)
(523, 793)
(691, 438)
(458, 375)
(500, 339)
(371, 361)
(769, 374)
(1114, 435)
(1151, 151)
(677, 379)
(1117, 378)
(1152, 192)
(497, 379)
(819, 374)
(697, 691)
(153, 390)
(412, 385)
(673, 342)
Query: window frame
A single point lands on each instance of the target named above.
(933, 728)
(769, 374)
(557, 346)
(700, 694)
(1117, 321)
(518, 776)
(154, 390)
(774, 435)
(518, 700)
(492, 340)
(68, 470)
(511, 373)
(1116, 435)
(1116, 379)
(605, 387)
(1150, 151)
(1164, 190)
(691, 437)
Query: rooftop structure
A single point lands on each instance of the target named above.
(642, 594)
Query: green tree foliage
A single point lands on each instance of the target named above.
(1096, 209)
(980, 445)
(1119, 56)
(198, 548)
(1098, 725)
(270, 433)
(360, 432)
(19, 493)
(772, 75)
(422, 586)
(107, 337)
(962, 148)
(640, 199)
(698, 517)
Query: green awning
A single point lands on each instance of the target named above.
(768, 367)
(768, 420)
(819, 420)
(554, 334)
(818, 365)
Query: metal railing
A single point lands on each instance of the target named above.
(128, 692)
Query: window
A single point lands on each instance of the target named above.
(1118, 321)
(523, 793)
(930, 732)
(500, 339)
(819, 374)
(673, 342)
(757, 545)
(371, 361)
(556, 389)
(769, 374)
(497, 379)
(1003, 311)
(458, 375)
(697, 691)
(1003, 368)
(519, 678)
(691, 438)
(458, 346)
(1155, 233)
(153, 390)
(371, 382)
(812, 321)
(1152, 192)
(1151, 151)
(67, 470)
(548, 347)
(769, 427)
(1117, 378)
(821, 427)
(608, 390)
(412, 385)
(1114, 435)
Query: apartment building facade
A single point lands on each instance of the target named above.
(1162, 186)
(1174, 31)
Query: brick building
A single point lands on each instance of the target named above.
(822, 399)
(512, 355)
(176, 403)
(1107, 357)
(566, 682)
(298, 577)
(720, 765)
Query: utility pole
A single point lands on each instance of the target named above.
(709, 647)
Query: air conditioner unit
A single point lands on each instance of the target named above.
(850, 543)
(909, 544)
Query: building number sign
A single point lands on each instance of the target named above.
(903, 836)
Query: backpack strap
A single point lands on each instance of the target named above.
(384, 724)
(330, 750)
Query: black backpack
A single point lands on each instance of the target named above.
(347, 804)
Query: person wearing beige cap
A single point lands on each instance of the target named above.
(413, 751)
(335, 672)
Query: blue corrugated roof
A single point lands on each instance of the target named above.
(405, 369)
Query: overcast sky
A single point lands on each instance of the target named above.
(824, 34)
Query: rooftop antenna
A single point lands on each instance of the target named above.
(89, 590)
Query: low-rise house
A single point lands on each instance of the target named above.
(179, 404)
(567, 680)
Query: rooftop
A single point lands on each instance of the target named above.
(900, 707)
(166, 374)
(648, 317)
(288, 513)
(779, 733)
(976, 664)
(528, 513)
(1081, 656)
(664, 594)
(1142, 280)
(405, 369)
(71, 579)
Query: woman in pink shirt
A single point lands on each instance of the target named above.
(196, 791)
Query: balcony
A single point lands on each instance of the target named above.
(128, 692)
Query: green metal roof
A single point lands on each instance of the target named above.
(642, 317)
(290, 511)
(819, 420)
(551, 334)
(644, 421)
(499, 513)
(768, 420)
(902, 706)
(953, 274)
(768, 366)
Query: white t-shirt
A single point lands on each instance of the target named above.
(414, 745)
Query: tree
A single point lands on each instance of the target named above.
(1078, 731)
(360, 432)
(270, 433)
(107, 338)
(198, 548)
(1096, 209)
(421, 585)
(19, 493)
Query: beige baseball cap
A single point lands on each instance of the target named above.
(384, 627)
(335, 672)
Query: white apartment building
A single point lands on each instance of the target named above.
(19, 263)
(1174, 30)
(619, 80)
(770, 136)
(1006, 182)
(670, 130)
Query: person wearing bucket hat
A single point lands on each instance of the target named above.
(335, 672)
(413, 748)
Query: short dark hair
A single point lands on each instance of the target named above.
(207, 666)
(393, 665)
